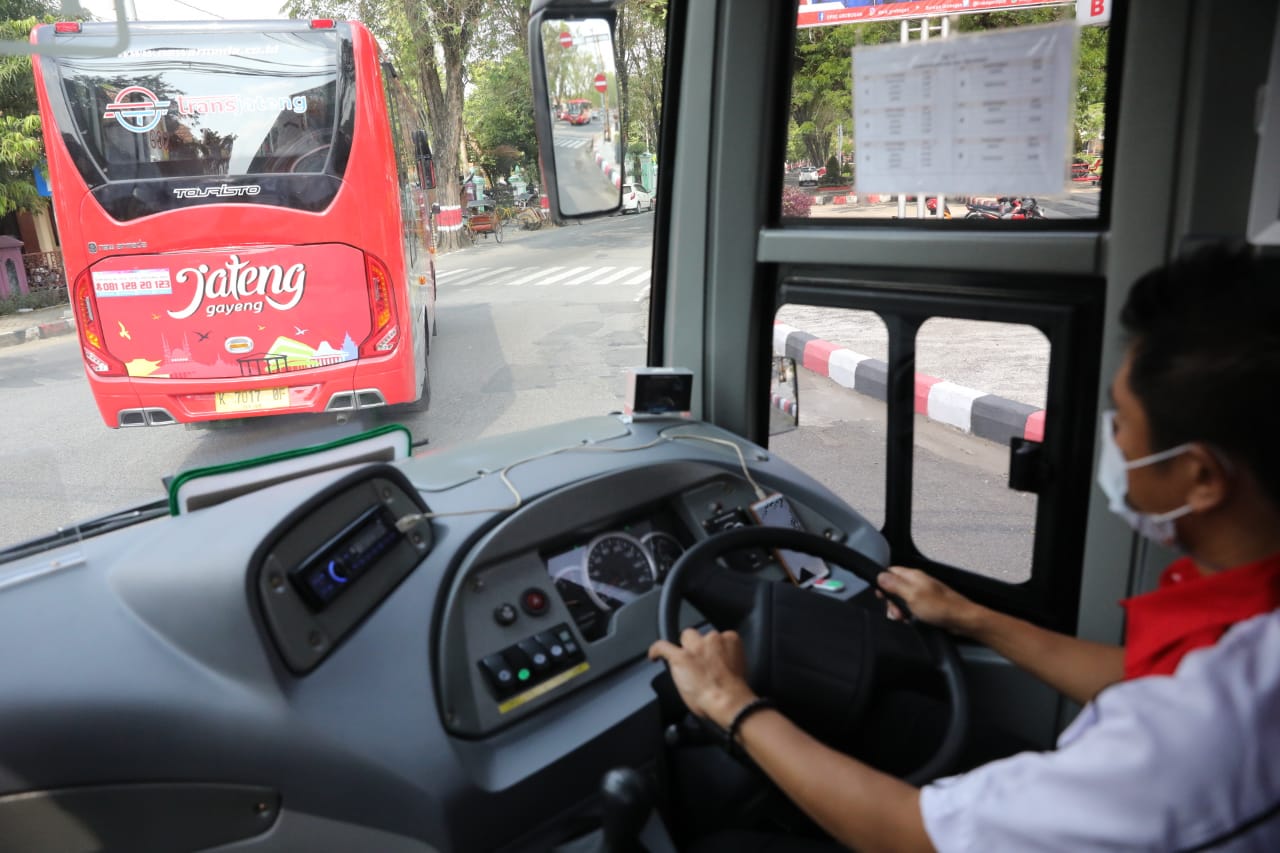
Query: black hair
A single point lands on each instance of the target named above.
(1205, 340)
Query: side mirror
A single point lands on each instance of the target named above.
(422, 151)
(575, 100)
(784, 395)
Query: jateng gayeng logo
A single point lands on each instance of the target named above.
(137, 109)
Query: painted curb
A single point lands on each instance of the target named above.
(37, 332)
(976, 412)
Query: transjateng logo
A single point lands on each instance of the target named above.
(137, 109)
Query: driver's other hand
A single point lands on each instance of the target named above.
(930, 599)
(709, 670)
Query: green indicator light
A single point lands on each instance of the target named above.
(523, 675)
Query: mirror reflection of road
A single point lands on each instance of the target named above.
(581, 180)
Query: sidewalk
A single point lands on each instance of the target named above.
(26, 326)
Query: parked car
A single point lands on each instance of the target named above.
(809, 177)
(635, 198)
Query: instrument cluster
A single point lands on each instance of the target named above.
(612, 568)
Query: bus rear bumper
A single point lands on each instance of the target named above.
(127, 402)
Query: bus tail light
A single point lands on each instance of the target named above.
(382, 307)
(91, 338)
(66, 28)
(323, 24)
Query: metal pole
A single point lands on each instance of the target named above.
(942, 200)
(905, 32)
(921, 210)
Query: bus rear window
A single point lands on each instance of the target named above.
(236, 104)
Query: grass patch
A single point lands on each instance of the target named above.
(35, 300)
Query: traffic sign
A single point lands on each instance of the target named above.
(601, 83)
(566, 39)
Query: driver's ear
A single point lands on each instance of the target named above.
(1211, 478)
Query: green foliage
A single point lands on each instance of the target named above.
(35, 300)
(822, 88)
(641, 56)
(21, 146)
(831, 177)
(499, 117)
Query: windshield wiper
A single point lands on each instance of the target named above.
(93, 527)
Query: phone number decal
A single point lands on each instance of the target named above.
(132, 283)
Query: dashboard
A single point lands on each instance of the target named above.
(378, 656)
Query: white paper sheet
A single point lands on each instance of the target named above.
(966, 116)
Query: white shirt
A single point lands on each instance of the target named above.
(1156, 763)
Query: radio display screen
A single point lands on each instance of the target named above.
(339, 565)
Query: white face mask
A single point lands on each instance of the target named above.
(1113, 477)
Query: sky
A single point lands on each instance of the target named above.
(187, 10)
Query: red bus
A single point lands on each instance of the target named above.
(243, 212)
(577, 111)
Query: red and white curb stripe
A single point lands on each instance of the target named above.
(65, 326)
(610, 168)
(976, 412)
(449, 218)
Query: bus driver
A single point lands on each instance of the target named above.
(1178, 743)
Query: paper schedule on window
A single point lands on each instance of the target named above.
(967, 116)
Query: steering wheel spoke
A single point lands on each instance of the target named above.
(820, 658)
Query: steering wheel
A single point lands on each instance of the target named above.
(818, 657)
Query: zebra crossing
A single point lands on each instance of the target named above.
(511, 276)
(572, 141)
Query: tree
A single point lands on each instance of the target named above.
(430, 41)
(499, 117)
(21, 146)
(640, 54)
(822, 88)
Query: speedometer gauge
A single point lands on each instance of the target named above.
(664, 548)
(618, 569)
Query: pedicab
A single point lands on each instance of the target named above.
(482, 218)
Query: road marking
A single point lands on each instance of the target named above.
(566, 276)
(625, 271)
(586, 278)
(642, 295)
(574, 271)
(572, 142)
(531, 279)
(492, 275)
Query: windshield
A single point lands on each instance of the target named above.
(536, 329)
(223, 104)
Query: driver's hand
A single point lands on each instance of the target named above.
(930, 599)
(709, 670)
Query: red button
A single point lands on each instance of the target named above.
(534, 602)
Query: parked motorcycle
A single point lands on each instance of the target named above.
(1006, 207)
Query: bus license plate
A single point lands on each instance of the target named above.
(253, 400)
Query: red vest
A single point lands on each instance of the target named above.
(1190, 610)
